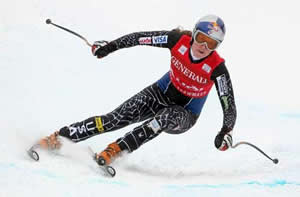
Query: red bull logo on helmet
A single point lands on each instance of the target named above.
(214, 26)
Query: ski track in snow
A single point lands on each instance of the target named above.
(72, 172)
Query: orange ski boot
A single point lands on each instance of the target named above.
(110, 153)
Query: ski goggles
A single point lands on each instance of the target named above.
(201, 38)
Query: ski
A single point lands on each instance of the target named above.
(33, 154)
(108, 170)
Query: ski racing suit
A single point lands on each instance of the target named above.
(173, 103)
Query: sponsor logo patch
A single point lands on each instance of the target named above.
(145, 40)
(182, 49)
(225, 101)
(141, 134)
(222, 83)
(160, 39)
(206, 68)
(99, 124)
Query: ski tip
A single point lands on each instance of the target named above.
(33, 155)
(111, 171)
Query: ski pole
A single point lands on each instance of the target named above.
(275, 161)
(48, 21)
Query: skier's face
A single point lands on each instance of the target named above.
(200, 50)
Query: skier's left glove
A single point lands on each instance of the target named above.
(100, 48)
(223, 141)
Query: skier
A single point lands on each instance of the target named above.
(173, 103)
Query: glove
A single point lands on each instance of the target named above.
(223, 141)
(100, 49)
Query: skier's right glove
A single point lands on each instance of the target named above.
(100, 49)
(223, 141)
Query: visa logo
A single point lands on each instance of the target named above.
(160, 39)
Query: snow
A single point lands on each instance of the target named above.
(49, 79)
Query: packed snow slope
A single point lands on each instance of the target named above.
(49, 79)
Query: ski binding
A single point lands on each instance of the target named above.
(108, 170)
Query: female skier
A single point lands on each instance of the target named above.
(173, 103)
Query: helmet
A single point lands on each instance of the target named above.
(212, 26)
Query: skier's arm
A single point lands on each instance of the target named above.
(164, 39)
(225, 92)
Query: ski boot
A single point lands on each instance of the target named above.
(111, 152)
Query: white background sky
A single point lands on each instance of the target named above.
(49, 78)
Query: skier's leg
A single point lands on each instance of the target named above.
(174, 120)
(140, 107)
(124, 115)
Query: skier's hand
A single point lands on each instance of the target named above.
(100, 49)
(223, 141)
